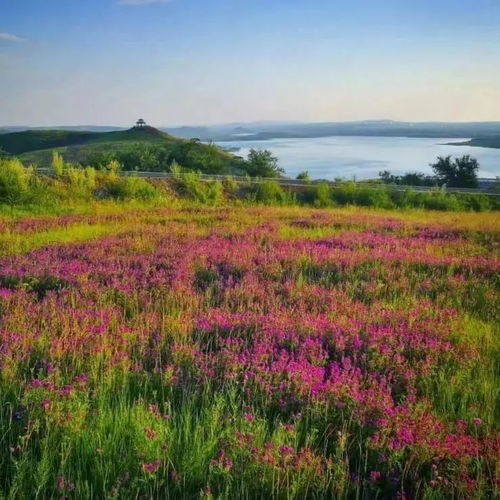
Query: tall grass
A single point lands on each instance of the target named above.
(71, 186)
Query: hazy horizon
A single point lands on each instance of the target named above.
(194, 63)
(238, 123)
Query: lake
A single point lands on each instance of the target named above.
(365, 157)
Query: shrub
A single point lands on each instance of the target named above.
(404, 199)
(349, 193)
(271, 193)
(231, 187)
(57, 164)
(439, 200)
(131, 188)
(372, 197)
(476, 202)
(214, 192)
(113, 167)
(408, 179)
(81, 182)
(14, 181)
(191, 185)
(322, 195)
(45, 191)
(344, 193)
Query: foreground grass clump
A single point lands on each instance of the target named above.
(261, 352)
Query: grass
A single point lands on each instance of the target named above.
(12, 243)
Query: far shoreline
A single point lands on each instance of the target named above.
(480, 142)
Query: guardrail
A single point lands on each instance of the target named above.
(295, 183)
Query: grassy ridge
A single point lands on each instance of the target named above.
(31, 140)
(91, 148)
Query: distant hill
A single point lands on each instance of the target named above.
(85, 128)
(141, 148)
(263, 130)
(381, 128)
(32, 140)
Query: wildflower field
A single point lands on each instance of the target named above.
(250, 352)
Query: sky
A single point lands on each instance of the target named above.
(189, 62)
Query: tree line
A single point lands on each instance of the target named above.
(460, 173)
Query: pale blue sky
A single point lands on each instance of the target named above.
(212, 61)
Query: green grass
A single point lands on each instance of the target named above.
(13, 243)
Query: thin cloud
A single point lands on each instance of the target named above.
(9, 37)
(142, 2)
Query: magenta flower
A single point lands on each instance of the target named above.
(151, 467)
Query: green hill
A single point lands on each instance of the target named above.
(32, 140)
(144, 148)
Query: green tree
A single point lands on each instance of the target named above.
(462, 172)
(408, 179)
(303, 176)
(262, 163)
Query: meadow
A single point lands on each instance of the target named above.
(189, 351)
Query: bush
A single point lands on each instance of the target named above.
(271, 193)
(344, 193)
(439, 200)
(81, 182)
(14, 181)
(191, 185)
(349, 193)
(476, 202)
(153, 157)
(408, 179)
(214, 192)
(372, 197)
(78, 182)
(131, 188)
(231, 187)
(322, 195)
(404, 199)
(45, 191)
(57, 164)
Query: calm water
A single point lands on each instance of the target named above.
(365, 157)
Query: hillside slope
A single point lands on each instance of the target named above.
(143, 148)
(32, 140)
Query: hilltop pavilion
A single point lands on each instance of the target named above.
(140, 123)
